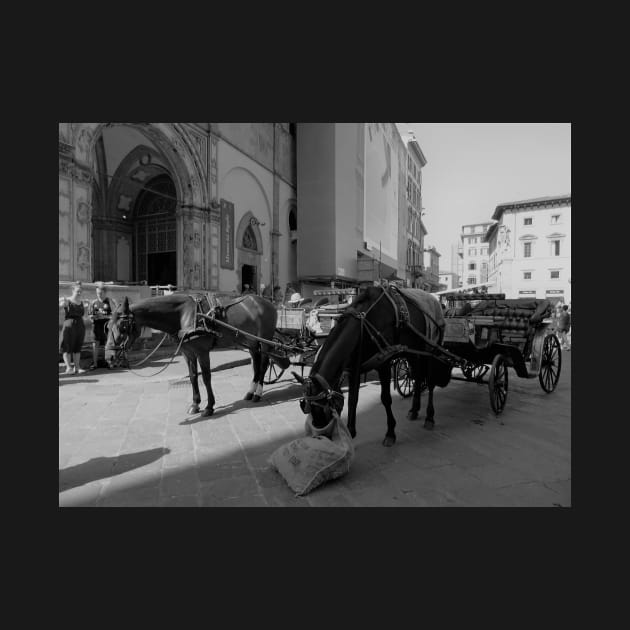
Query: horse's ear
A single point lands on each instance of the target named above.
(125, 306)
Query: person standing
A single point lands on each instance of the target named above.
(564, 325)
(72, 332)
(100, 311)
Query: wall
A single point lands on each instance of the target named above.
(382, 169)
(316, 199)
(349, 197)
(514, 264)
(249, 186)
(254, 139)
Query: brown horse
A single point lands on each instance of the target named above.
(369, 335)
(178, 315)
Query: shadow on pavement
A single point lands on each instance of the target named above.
(102, 467)
(219, 411)
(73, 380)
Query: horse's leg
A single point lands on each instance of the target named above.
(204, 362)
(354, 382)
(385, 376)
(416, 373)
(429, 423)
(191, 360)
(252, 387)
(263, 364)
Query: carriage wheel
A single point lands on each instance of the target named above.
(274, 372)
(403, 379)
(473, 372)
(550, 363)
(498, 384)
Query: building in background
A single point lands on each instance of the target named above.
(352, 205)
(415, 230)
(449, 281)
(200, 206)
(530, 248)
(431, 275)
(473, 254)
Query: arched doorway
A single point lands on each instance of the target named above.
(106, 169)
(249, 252)
(155, 232)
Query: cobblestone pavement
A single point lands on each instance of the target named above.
(125, 440)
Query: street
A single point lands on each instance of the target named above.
(126, 440)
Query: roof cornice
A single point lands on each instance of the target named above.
(558, 201)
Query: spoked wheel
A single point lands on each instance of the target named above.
(273, 373)
(403, 379)
(474, 372)
(498, 384)
(550, 363)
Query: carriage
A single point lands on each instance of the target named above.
(485, 334)
(301, 331)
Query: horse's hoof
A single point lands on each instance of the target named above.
(207, 413)
(389, 441)
(248, 396)
(428, 425)
(256, 398)
(412, 415)
(193, 409)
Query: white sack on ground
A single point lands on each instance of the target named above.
(322, 455)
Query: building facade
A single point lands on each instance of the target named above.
(530, 248)
(351, 183)
(473, 254)
(449, 281)
(201, 206)
(431, 274)
(415, 230)
(215, 206)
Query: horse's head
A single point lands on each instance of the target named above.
(122, 329)
(320, 398)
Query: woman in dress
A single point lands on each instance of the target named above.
(72, 332)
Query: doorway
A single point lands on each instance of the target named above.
(248, 276)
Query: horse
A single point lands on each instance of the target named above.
(178, 315)
(369, 335)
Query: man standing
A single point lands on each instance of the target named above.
(100, 311)
(564, 325)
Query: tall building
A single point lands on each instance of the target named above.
(201, 206)
(530, 248)
(473, 254)
(415, 230)
(352, 205)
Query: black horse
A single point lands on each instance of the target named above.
(369, 335)
(178, 315)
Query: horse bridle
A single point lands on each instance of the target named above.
(125, 324)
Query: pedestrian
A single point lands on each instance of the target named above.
(100, 312)
(266, 292)
(247, 290)
(288, 292)
(277, 295)
(564, 326)
(72, 332)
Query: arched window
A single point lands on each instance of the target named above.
(249, 239)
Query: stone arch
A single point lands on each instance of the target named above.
(174, 144)
(185, 166)
(249, 221)
(235, 172)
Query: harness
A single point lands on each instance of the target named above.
(386, 351)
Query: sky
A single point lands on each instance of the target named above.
(473, 167)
